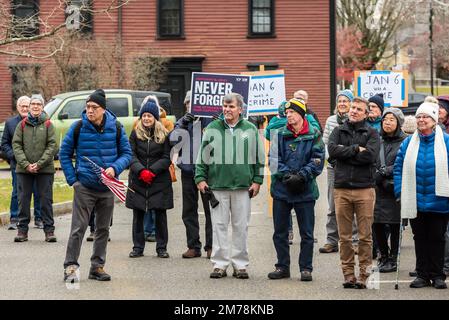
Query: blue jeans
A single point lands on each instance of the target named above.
(148, 223)
(305, 214)
(14, 207)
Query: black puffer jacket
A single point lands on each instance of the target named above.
(354, 169)
(155, 157)
(387, 210)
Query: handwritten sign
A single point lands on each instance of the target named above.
(208, 90)
(266, 92)
(393, 85)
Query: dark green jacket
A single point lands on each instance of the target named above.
(230, 160)
(35, 143)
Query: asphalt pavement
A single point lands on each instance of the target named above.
(34, 269)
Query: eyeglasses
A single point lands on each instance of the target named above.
(93, 107)
(422, 117)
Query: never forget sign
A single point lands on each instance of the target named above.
(208, 90)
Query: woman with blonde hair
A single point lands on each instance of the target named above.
(149, 178)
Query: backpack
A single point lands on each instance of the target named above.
(79, 124)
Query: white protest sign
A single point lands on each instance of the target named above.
(266, 92)
(392, 84)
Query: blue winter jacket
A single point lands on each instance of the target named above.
(8, 134)
(304, 155)
(426, 199)
(100, 147)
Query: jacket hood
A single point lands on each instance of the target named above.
(397, 113)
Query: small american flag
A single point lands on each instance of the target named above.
(116, 186)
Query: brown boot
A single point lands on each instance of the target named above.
(50, 237)
(191, 253)
(362, 280)
(350, 281)
(328, 248)
(209, 253)
(21, 236)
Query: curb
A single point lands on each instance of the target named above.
(58, 209)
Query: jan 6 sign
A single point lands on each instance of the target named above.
(266, 92)
(393, 85)
(208, 90)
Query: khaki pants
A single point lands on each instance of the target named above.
(361, 203)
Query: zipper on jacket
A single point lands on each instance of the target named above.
(146, 167)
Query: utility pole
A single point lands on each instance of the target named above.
(430, 45)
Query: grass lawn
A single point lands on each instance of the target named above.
(61, 192)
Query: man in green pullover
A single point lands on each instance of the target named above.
(230, 163)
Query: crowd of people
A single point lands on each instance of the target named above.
(384, 171)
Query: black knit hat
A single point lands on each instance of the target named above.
(378, 99)
(99, 97)
(150, 107)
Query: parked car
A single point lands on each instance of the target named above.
(66, 108)
(414, 100)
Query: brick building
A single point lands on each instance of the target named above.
(230, 36)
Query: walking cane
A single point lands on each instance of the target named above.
(398, 259)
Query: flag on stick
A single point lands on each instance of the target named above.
(116, 186)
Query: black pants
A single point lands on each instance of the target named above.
(428, 232)
(382, 231)
(44, 185)
(161, 230)
(190, 214)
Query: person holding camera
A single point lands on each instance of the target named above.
(230, 163)
(387, 212)
(296, 159)
(187, 138)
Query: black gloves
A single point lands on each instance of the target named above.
(188, 118)
(295, 183)
(382, 171)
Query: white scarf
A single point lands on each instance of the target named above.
(408, 188)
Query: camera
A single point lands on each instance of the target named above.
(211, 197)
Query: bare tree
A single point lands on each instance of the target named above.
(377, 21)
(16, 33)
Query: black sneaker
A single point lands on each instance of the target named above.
(279, 274)
(439, 284)
(99, 274)
(306, 275)
(420, 283)
(163, 254)
(135, 254)
(218, 273)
